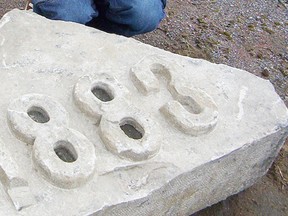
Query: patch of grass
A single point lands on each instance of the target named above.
(277, 23)
(268, 30)
(251, 27)
(212, 42)
(263, 24)
(259, 55)
(200, 20)
(227, 34)
(202, 23)
(284, 72)
(187, 49)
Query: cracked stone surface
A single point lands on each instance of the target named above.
(98, 123)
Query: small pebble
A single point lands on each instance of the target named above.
(265, 72)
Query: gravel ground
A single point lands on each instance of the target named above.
(247, 34)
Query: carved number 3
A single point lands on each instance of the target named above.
(192, 110)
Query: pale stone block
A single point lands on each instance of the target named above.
(15, 186)
(21, 197)
(94, 123)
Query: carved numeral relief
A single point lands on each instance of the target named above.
(192, 110)
(67, 158)
(64, 156)
(125, 130)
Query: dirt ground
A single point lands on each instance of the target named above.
(247, 34)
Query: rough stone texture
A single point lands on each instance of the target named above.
(97, 123)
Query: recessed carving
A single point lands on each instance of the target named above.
(65, 151)
(132, 128)
(103, 92)
(38, 114)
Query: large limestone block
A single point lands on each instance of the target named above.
(94, 123)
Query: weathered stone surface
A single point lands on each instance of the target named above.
(98, 123)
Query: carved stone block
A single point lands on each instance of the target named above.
(94, 123)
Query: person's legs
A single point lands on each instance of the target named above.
(80, 11)
(130, 17)
(125, 17)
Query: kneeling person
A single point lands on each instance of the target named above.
(124, 17)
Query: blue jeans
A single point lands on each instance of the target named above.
(124, 17)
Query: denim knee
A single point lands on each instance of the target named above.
(147, 15)
(164, 3)
(140, 15)
(80, 11)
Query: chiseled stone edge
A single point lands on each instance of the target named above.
(207, 184)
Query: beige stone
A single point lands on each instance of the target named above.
(95, 123)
